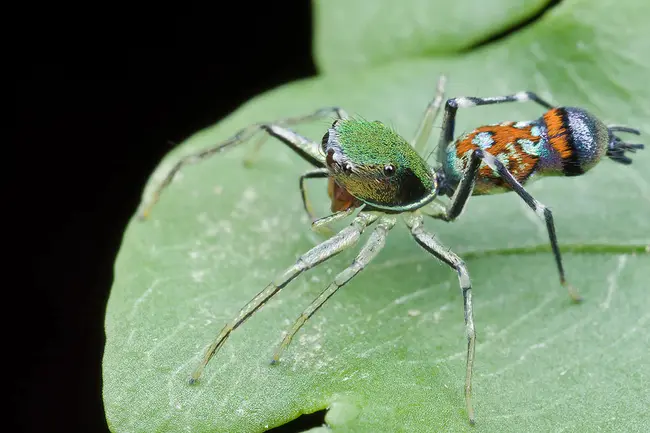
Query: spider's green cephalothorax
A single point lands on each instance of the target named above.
(377, 166)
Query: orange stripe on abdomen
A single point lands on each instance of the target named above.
(557, 133)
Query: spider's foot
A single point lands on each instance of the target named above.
(194, 379)
(573, 292)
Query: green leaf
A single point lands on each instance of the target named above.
(358, 34)
(386, 353)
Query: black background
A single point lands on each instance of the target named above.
(100, 94)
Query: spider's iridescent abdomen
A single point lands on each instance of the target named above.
(565, 141)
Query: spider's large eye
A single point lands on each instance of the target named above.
(389, 170)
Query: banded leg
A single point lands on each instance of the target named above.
(339, 113)
(430, 114)
(428, 242)
(307, 149)
(463, 192)
(345, 239)
(318, 173)
(372, 247)
(452, 105)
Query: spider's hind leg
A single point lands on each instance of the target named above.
(430, 243)
(453, 104)
(464, 191)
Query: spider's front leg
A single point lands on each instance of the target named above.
(429, 243)
(309, 150)
(323, 113)
(345, 239)
(369, 251)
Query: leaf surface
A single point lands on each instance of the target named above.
(386, 353)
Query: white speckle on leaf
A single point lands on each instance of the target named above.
(405, 298)
(249, 194)
(309, 339)
(490, 330)
(226, 225)
(414, 313)
(220, 227)
(197, 276)
(268, 225)
(217, 190)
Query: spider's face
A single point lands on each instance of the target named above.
(376, 165)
